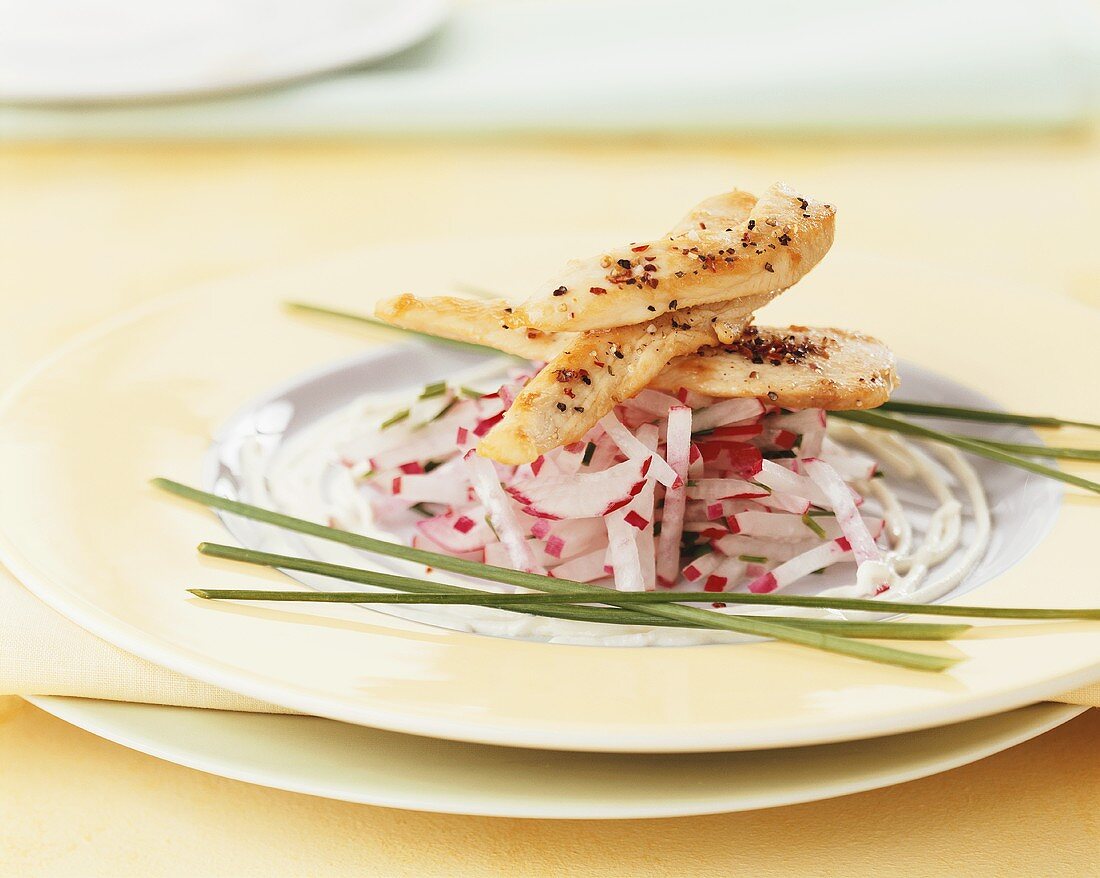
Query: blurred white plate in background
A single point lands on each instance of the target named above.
(79, 50)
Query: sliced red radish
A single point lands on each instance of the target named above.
(840, 499)
(622, 546)
(457, 533)
(483, 475)
(711, 490)
(585, 495)
(728, 411)
(802, 565)
(678, 450)
(780, 479)
(636, 449)
(584, 568)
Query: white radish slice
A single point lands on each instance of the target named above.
(429, 444)
(586, 495)
(654, 403)
(781, 479)
(802, 565)
(728, 411)
(458, 532)
(678, 450)
(809, 424)
(839, 497)
(711, 490)
(567, 539)
(584, 568)
(623, 551)
(446, 484)
(636, 449)
(850, 464)
(726, 575)
(782, 502)
(483, 475)
(702, 566)
(770, 525)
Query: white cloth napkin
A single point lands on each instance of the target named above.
(622, 66)
(42, 653)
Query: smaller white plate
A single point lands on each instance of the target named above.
(357, 764)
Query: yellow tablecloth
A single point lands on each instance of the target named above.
(87, 231)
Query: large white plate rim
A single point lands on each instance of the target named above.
(247, 682)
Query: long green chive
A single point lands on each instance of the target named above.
(959, 413)
(437, 388)
(395, 418)
(845, 628)
(974, 446)
(690, 615)
(1088, 454)
(416, 591)
(808, 520)
(304, 308)
(456, 594)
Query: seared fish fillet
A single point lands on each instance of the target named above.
(599, 369)
(796, 367)
(473, 320)
(726, 248)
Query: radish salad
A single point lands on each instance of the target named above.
(668, 491)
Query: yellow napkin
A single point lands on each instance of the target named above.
(43, 653)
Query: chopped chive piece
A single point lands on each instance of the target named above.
(807, 520)
(753, 559)
(959, 413)
(450, 405)
(436, 388)
(706, 432)
(470, 392)
(489, 522)
(395, 418)
(423, 509)
(589, 450)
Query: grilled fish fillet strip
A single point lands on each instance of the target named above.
(599, 369)
(807, 368)
(717, 253)
(477, 321)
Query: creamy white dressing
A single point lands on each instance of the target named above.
(307, 476)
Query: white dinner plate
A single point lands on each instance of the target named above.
(145, 395)
(356, 764)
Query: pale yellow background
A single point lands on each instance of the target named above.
(85, 231)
